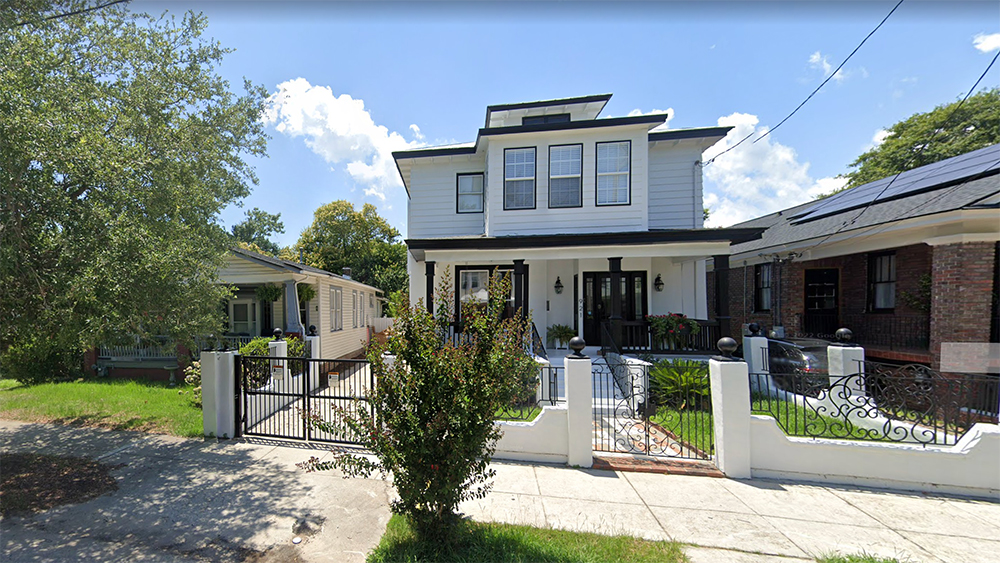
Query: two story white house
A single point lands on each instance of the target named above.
(598, 219)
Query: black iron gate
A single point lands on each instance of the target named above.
(275, 396)
(667, 413)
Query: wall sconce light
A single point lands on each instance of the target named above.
(558, 286)
(658, 283)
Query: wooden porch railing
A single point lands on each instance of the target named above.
(638, 337)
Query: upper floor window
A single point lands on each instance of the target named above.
(613, 166)
(542, 119)
(519, 178)
(882, 282)
(565, 166)
(470, 193)
(762, 287)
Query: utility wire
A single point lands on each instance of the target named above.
(923, 147)
(828, 78)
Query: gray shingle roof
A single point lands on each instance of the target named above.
(949, 197)
(290, 266)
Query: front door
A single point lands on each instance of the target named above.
(243, 317)
(822, 303)
(597, 301)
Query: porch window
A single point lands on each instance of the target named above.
(470, 193)
(473, 290)
(613, 166)
(519, 178)
(882, 282)
(243, 317)
(565, 169)
(762, 287)
(336, 309)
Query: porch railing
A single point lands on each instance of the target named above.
(884, 331)
(638, 337)
(158, 347)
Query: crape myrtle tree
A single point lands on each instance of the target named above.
(431, 418)
(119, 146)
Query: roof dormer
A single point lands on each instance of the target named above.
(546, 111)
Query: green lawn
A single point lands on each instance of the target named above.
(507, 543)
(107, 403)
(518, 414)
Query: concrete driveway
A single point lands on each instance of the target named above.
(193, 500)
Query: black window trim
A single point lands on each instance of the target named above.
(547, 119)
(581, 176)
(458, 179)
(598, 143)
(534, 186)
(873, 257)
(757, 269)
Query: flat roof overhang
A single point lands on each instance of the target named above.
(673, 242)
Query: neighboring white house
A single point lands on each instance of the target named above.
(596, 218)
(342, 309)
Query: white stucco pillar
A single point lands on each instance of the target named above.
(731, 416)
(580, 417)
(847, 361)
(755, 356)
(278, 349)
(218, 394)
(315, 352)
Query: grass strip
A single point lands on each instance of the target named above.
(503, 543)
(117, 404)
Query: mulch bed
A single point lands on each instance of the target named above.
(31, 483)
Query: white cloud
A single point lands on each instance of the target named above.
(987, 43)
(877, 139)
(821, 62)
(664, 126)
(416, 132)
(340, 129)
(755, 179)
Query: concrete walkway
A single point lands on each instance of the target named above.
(193, 500)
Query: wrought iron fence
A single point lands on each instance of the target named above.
(551, 391)
(882, 403)
(658, 409)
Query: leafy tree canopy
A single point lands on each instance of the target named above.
(119, 146)
(362, 240)
(926, 138)
(256, 231)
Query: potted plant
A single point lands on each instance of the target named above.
(673, 329)
(562, 334)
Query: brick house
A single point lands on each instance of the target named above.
(907, 263)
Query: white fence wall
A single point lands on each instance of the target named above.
(382, 323)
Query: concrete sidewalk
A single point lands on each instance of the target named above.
(193, 500)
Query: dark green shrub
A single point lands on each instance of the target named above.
(258, 372)
(681, 383)
(431, 422)
(39, 360)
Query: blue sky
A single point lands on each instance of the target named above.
(358, 76)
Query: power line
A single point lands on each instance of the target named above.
(809, 97)
(923, 147)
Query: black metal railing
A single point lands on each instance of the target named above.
(551, 391)
(882, 403)
(884, 331)
(662, 410)
(537, 346)
(277, 396)
(639, 337)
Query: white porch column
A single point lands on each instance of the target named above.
(579, 403)
(292, 323)
(731, 416)
(217, 394)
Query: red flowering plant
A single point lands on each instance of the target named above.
(673, 328)
(429, 420)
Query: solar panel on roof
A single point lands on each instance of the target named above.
(932, 176)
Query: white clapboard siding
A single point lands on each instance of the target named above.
(433, 198)
(674, 195)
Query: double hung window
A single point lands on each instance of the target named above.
(336, 308)
(565, 167)
(762, 287)
(519, 178)
(355, 310)
(613, 166)
(882, 282)
(470, 193)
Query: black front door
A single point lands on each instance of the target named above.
(597, 301)
(822, 303)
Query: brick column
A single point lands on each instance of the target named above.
(961, 294)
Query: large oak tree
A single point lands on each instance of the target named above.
(119, 146)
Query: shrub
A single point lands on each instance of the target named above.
(40, 359)
(259, 371)
(431, 417)
(681, 383)
(192, 376)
